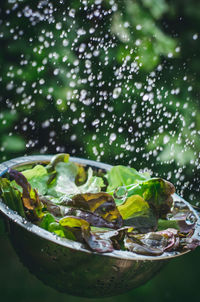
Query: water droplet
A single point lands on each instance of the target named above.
(116, 92)
(195, 37)
(120, 193)
(58, 25)
(113, 137)
(72, 13)
(190, 219)
(115, 268)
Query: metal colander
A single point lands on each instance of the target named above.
(69, 266)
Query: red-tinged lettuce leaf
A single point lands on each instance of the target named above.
(137, 213)
(152, 243)
(98, 244)
(30, 196)
(93, 240)
(51, 207)
(172, 236)
(189, 243)
(92, 218)
(116, 236)
(166, 240)
(183, 216)
(134, 245)
(101, 204)
(181, 219)
(61, 211)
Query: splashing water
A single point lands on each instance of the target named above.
(191, 218)
(120, 193)
(98, 79)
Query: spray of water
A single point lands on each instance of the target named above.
(98, 79)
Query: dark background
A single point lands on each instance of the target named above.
(115, 81)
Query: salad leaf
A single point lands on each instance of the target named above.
(152, 243)
(46, 221)
(92, 218)
(93, 183)
(132, 205)
(51, 207)
(124, 176)
(143, 222)
(11, 196)
(49, 223)
(183, 216)
(37, 177)
(74, 222)
(164, 224)
(189, 243)
(93, 240)
(30, 196)
(164, 240)
(61, 157)
(61, 211)
(81, 176)
(157, 192)
(116, 236)
(65, 181)
(98, 244)
(101, 204)
(135, 245)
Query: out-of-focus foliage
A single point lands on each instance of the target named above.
(110, 80)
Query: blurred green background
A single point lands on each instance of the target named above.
(116, 81)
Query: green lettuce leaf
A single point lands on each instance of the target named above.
(157, 192)
(61, 157)
(11, 196)
(124, 176)
(37, 177)
(164, 224)
(50, 224)
(64, 183)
